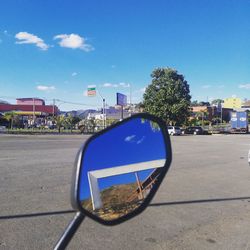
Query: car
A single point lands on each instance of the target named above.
(174, 130)
(195, 130)
(2, 129)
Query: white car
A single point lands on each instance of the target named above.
(173, 130)
(2, 129)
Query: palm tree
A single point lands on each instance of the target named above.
(60, 119)
(70, 121)
(9, 116)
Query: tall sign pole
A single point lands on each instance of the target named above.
(92, 92)
(121, 100)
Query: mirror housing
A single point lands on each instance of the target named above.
(87, 195)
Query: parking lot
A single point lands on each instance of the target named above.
(203, 203)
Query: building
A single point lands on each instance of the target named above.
(30, 106)
(232, 103)
(31, 112)
(208, 111)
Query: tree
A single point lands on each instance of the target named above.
(217, 101)
(60, 119)
(168, 96)
(194, 103)
(68, 122)
(9, 116)
(207, 104)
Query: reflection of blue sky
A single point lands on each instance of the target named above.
(132, 142)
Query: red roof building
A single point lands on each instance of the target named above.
(30, 105)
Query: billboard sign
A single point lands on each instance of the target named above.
(121, 99)
(91, 91)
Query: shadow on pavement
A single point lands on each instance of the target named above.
(17, 216)
(198, 201)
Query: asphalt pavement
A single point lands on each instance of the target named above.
(203, 203)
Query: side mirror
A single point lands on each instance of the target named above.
(118, 172)
(119, 169)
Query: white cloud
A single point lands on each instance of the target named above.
(244, 86)
(206, 86)
(129, 138)
(74, 74)
(27, 38)
(115, 85)
(73, 41)
(5, 32)
(45, 88)
(124, 85)
(92, 86)
(109, 85)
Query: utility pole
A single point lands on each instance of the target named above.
(103, 110)
(221, 115)
(130, 95)
(54, 101)
(130, 99)
(104, 113)
(33, 111)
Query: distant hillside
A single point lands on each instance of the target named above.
(117, 201)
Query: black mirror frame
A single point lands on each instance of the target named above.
(75, 201)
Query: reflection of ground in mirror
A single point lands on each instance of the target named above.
(119, 200)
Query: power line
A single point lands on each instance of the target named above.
(58, 100)
(75, 103)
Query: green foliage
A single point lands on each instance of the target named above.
(217, 101)
(168, 96)
(194, 103)
(70, 121)
(9, 116)
(60, 119)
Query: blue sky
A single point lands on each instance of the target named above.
(55, 49)
(133, 143)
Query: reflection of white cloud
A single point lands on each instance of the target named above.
(141, 140)
(129, 138)
(132, 139)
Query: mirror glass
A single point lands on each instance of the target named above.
(120, 167)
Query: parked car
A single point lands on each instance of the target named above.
(195, 130)
(2, 129)
(173, 130)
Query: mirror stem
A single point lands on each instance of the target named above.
(70, 231)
